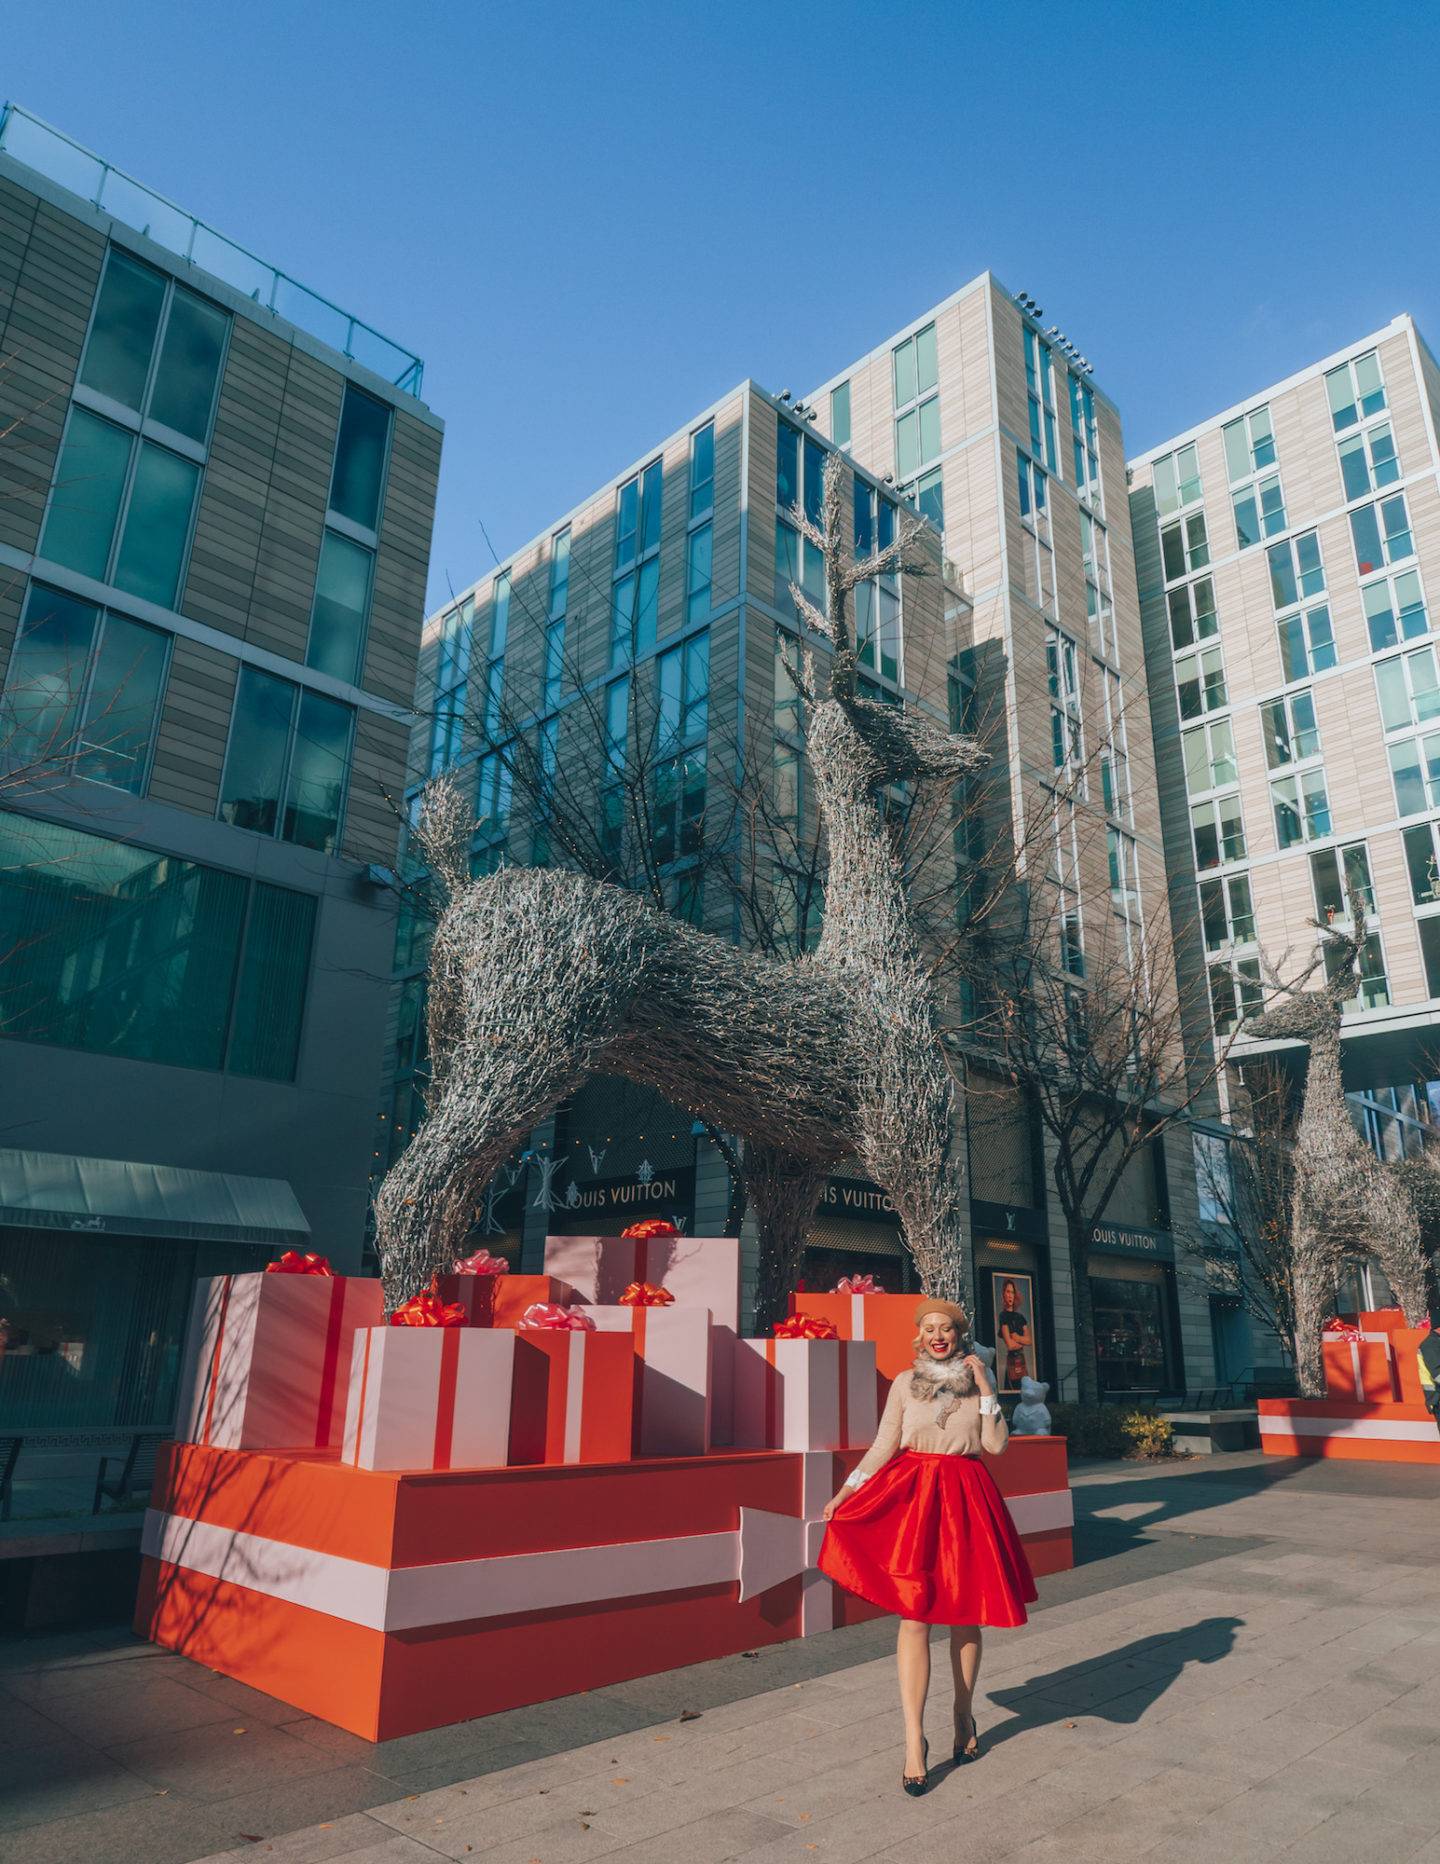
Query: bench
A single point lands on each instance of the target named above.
(1206, 1431)
(137, 1470)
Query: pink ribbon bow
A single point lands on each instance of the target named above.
(481, 1263)
(1338, 1329)
(551, 1314)
(857, 1284)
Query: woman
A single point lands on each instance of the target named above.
(1014, 1330)
(925, 1533)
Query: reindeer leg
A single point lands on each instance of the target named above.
(784, 1190)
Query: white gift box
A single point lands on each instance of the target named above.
(674, 1360)
(429, 1398)
(267, 1357)
(804, 1394)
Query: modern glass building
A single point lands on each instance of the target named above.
(216, 494)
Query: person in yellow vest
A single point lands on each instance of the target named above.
(1428, 1356)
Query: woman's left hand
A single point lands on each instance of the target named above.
(983, 1382)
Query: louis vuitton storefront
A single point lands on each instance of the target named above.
(1132, 1290)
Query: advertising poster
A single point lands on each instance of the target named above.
(1014, 1297)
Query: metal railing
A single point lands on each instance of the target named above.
(59, 157)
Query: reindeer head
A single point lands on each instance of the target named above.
(1296, 1014)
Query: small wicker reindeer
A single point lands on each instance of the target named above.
(539, 978)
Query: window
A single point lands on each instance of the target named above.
(1368, 461)
(679, 819)
(1218, 831)
(788, 569)
(1200, 682)
(1210, 757)
(1336, 874)
(1381, 533)
(1039, 558)
(1062, 666)
(1040, 386)
(1296, 570)
(697, 573)
(1121, 861)
(685, 693)
(1084, 439)
(930, 497)
(1066, 876)
(877, 626)
(1430, 952)
(789, 706)
(1395, 609)
(357, 478)
(547, 764)
(1374, 988)
(702, 470)
(1192, 613)
(1422, 864)
(154, 348)
(1095, 555)
(840, 415)
(495, 659)
(617, 737)
(345, 577)
(1235, 992)
(1249, 445)
(1415, 772)
(553, 669)
(342, 607)
(637, 518)
(1114, 753)
(634, 612)
(1355, 390)
(287, 762)
(118, 950)
(1301, 807)
(1227, 912)
(559, 574)
(1176, 479)
(82, 693)
(1184, 546)
(917, 438)
(1288, 729)
(1408, 689)
(1034, 507)
(452, 686)
(494, 784)
(1259, 511)
(1212, 1177)
(1307, 643)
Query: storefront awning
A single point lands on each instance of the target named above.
(121, 1197)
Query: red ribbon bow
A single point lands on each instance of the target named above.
(293, 1263)
(652, 1226)
(428, 1310)
(857, 1284)
(1338, 1329)
(646, 1294)
(481, 1263)
(560, 1319)
(805, 1327)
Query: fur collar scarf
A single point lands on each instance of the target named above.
(948, 1380)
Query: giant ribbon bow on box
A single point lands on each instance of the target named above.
(645, 1294)
(293, 1263)
(551, 1314)
(1338, 1329)
(805, 1327)
(651, 1226)
(481, 1263)
(428, 1310)
(857, 1284)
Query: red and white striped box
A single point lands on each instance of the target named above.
(673, 1357)
(267, 1357)
(429, 1398)
(805, 1394)
(574, 1396)
(501, 1300)
(1349, 1430)
(1363, 1370)
(887, 1319)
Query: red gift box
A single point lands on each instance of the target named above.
(674, 1352)
(429, 1398)
(475, 1293)
(887, 1319)
(573, 1398)
(805, 1394)
(266, 1358)
(1359, 1369)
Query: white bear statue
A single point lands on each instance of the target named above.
(1031, 1417)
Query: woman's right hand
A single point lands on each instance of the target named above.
(830, 1506)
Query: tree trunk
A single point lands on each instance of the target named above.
(784, 1191)
(1087, 1373)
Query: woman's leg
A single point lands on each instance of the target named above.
(965, 1650)
(912, 1657)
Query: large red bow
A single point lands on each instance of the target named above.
(1338, 1329)
(652, 1226)
(857, 1284)
(805, 1327)
(293, 1263)
(551, 1314)
(428, 1310)
(481, 1263)
(646, 1294)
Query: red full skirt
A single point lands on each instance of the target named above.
(929, 1537)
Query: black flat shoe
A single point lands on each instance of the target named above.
(915, 1787)
(969, 1750)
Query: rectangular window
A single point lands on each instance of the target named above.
(1209, 757)
(82, 693)
(1381, 534)
(342, 608)
(637, 517)
(1356, 390)
(118, 950)
(697, 572)
(493, 789)
(1192, 613)
(452, 686)
(1227, 912)
(1408, 689)
(1176, 480)
(1062, 664)
(1395, 609)
(287, 762)
(787, 466)
(916, 366)
(1289, 730)
(154, 348)
(1368, 461)
(1307, 643)
(1084, 439)
(1184, 546)
(362, 445)
(1296, 570)
(1415, 772)
(702, 470)
(634, 613)
(930, 498)
(1374, 988)
(1218, 831)
(1430, 952)
(789, 706)
(840, 415)
(552, 678)
(1120, 860)
(1249, 445)
(1259, 511)
(877, 626)
(1200, 682)
(1422, 864)
(1040, 382)
(559, 574)
(1235, 992)
(684, 686)
(917, 438)
(1338, 874)
(1301, 807)
(1034, 504)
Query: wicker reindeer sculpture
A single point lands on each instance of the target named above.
(540, 978)
(1344, 1203)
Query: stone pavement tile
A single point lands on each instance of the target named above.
(214, 1763)
(34, 1682)
(1329, 1787)
(1278, 1815)
(22, 1726)
(1092, 1779)
(22, 1654)
(357, 1840)
(461, 1751)
(1364, 1751)
(712, 1840)
(271, 1807)
(248, 1705)
(1096, 1837)
(1179, 1793)
(121, 1710)
(61, 1778)
(1205, 1844)
(1412, 1795)
(157, 1829)
(1352, 1837)
(567, 1841)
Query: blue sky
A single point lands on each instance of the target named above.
(592, 219)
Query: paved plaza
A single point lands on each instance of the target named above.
(1244, 1666)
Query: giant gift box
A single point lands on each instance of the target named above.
(805, 1394)
(501, 1300)
(267, 1357)
(429, 1398)
(1359, 1369)
(674, 1352)
(887, 1319)
(700, 1271)
(574, 1396)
